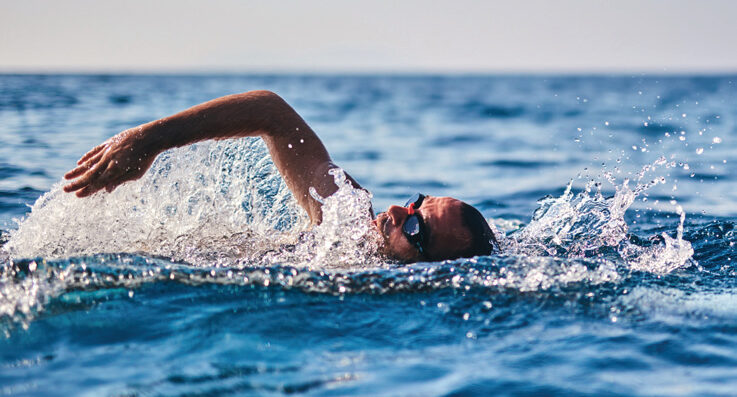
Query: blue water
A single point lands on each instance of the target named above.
(186, 293)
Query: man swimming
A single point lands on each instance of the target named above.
(426, 228)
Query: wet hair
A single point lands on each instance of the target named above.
(483, 241)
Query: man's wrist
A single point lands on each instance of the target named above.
(155, 136)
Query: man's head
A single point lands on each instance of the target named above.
(434, 228)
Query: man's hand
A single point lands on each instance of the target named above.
(124, 157)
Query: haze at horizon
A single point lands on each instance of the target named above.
(334, 36)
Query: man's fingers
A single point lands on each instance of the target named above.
(91, 153)
(84, 167)
(96, 184)
(76, 185)
(76, 172)
(84, 180)
(81, 169)
(103, 181)
(87, 191)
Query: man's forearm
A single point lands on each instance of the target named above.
(254, 113)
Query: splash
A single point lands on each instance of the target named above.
(217, 194)
(221, 204)
(671, 254)
(588, 224)
(346, 237)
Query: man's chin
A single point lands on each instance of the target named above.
(388, 254)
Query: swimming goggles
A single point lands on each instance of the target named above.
(414, 228)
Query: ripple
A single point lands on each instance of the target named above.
(524, 164)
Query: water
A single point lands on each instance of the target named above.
(614, 194)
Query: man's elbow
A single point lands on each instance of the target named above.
(265, 96)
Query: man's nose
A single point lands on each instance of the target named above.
(397, 214)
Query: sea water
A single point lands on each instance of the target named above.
(613, 197)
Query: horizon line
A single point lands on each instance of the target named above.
(369, 72)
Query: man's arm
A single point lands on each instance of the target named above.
(296, 150)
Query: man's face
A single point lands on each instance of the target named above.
(443, 224)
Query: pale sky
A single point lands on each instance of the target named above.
(371, 36)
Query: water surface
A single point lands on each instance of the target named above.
(614, 194)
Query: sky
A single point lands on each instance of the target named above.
(461, 36)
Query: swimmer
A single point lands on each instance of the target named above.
(427, 228)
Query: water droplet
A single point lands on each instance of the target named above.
(717, 140)
(700, 150)
(289, 146)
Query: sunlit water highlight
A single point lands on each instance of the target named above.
(207, 267)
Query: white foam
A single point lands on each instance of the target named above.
(582, 225)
